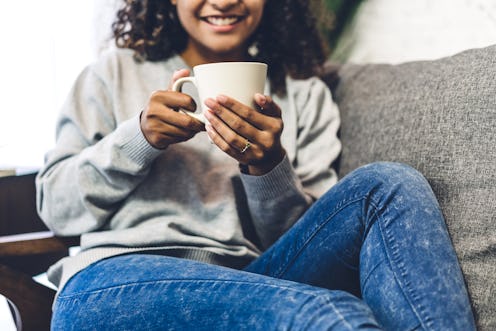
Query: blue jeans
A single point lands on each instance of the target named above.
(373, 253)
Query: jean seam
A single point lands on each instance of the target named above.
(392, 255)
(343, 204)
(64, 300)
(411, 297)
(182, 280)
(338, 313)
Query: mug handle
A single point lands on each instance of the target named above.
(177, 87)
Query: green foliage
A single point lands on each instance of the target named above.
(342, 11)
(334, 5)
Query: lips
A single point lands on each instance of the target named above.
(222, 20)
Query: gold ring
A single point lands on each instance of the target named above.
(248, 145)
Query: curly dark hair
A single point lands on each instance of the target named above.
(288, 37)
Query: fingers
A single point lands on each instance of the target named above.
(246, 134)
(174, 100)
(230, 109)
(259, 160)
(224, 136)
(168, 115)
(236, 146)
(161, 122)
(163, 125)
(160, 134)
(231, 118)
(267, 105)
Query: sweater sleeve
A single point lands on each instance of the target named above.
(277, 199)
(95, 164)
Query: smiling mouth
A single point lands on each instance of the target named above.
(222, 20)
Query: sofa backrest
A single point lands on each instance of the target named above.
(439, 117)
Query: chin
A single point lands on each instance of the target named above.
(228, 54)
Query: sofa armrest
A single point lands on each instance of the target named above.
(30, 302)
(33, 253)
(27, 249)
(25, 242)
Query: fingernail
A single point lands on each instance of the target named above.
(174, 75)
(177, 72)
(209, 102)
(262, 100)
(221, 98)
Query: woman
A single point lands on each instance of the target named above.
(184, 227)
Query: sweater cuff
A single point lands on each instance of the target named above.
(279, 181)
(134, 143)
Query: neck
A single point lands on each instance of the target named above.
(194, 57)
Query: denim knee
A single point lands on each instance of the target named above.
(391, 174)
(390, 171)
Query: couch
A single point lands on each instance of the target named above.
(437, 116)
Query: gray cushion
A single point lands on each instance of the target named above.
(440, 117)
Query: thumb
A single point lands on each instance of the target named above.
(176, 75)
(267, 105)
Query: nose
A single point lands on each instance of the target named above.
(223, 4)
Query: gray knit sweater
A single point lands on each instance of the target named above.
(105, 182)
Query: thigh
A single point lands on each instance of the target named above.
(323, 246)
(147, 292)
(379, 234)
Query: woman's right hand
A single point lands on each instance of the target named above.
(161, 122)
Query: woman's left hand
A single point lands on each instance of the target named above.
(250, 136)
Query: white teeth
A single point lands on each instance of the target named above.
(221, 21)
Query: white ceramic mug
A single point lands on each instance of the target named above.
(238, 80)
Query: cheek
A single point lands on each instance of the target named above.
(256, 19)
(188, 23)
(184, 14)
